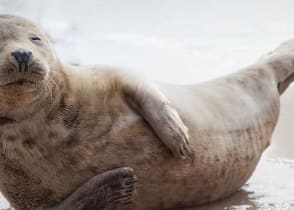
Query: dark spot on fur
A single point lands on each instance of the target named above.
(73, 161)
(71, 119)
(6, 120)
(278, 65)
(53, 114)
(41, 149)
(223, 172)
(28, 143)
(11, 138)
(104, 144)
(62, 103)
(217, 159)
(73, 140)
(70, 114)
(52, 135)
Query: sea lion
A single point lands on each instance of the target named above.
(65, 129)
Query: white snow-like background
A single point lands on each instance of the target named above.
(170, 40)
(176, 41)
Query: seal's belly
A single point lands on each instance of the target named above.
(225, 153)
(228, 133)
(222, 161)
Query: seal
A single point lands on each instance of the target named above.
(54, 119)
(76, 137)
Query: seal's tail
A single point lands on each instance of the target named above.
(282, 86)
(283, 71)
(281, 63)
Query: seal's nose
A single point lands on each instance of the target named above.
(22, 57)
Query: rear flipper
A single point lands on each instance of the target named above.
(111, 190)
(281, 63)
(283, 85)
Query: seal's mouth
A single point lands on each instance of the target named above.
(13, 77)
(19, 82)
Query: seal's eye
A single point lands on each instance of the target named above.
(35, 39)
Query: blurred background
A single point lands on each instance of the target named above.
(181, 41)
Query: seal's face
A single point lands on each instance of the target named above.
(26, 57)
(28, 66)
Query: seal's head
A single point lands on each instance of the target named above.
(27, 63)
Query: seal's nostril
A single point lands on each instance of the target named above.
(22, 56)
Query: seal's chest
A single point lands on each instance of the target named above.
(43, 161)
(36, 147)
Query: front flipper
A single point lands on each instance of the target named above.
(157, 111)
(111, 190)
